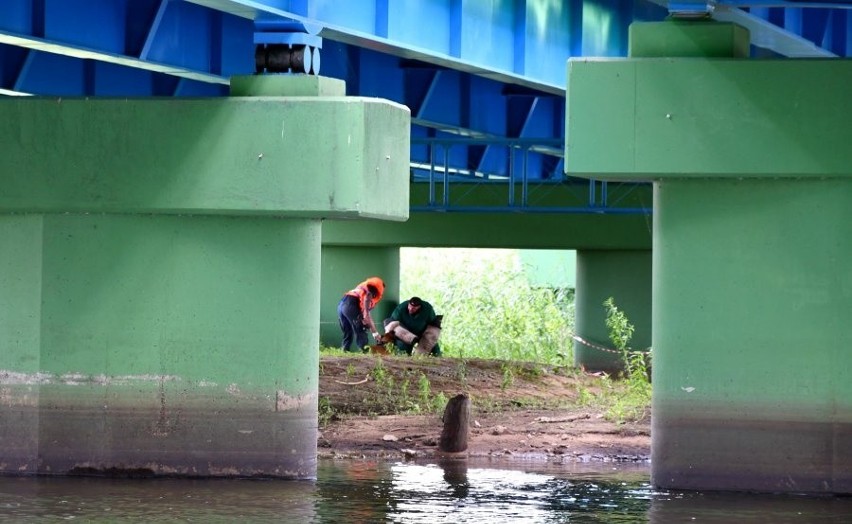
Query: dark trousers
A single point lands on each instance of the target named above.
(402, 347)
(351, 323)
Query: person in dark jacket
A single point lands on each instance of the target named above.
(353, 313)
(414, 322)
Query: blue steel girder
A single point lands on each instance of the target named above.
(829, 29)
(513, 41)
(120, 47)
(796, 29)
(447, 103)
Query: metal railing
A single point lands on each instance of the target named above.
(558, 193)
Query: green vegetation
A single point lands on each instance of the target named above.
(461, 372)
(620, 328)
(424, 390)
(631, 401)
(508, 375)
(490, 310)
(395, 396)
(439, 402)
(325, 411)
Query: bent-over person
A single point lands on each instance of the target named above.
(353, 312)
(414, 323)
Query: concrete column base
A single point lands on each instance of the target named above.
(752, 289)
(159, 345)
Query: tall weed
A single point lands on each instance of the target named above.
(632, 402)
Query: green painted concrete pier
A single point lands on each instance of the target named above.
(160, 267)
(752, 238)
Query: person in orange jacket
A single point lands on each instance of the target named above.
(353, 312)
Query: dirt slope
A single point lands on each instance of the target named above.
(519, 410)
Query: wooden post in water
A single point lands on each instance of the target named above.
(456, 421)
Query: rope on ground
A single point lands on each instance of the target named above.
(585, 342)
(353, 383)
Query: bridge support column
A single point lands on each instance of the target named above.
(345, 266)
(751, 242)
(160, 344)
(160, 268)
(626, 277)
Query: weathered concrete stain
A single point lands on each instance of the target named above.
(13, 378)
(151, 425)
(285, 402)
(16, 379)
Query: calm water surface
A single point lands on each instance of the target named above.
(376, 491)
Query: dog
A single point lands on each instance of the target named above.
(382, 347)
(379, 349)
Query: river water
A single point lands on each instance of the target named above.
(452, 491)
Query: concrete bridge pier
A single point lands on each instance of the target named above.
(752, 239)
(624, 275)
(160, 273)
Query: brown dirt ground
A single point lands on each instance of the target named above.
(529, 412)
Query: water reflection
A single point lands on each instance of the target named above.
(470, 494)
(716, 507)
(455, 491)
(150, 500)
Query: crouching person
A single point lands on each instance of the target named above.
(416, 328)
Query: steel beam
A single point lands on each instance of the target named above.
(513, 42)
(167, 37)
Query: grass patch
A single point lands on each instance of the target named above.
(325, 411)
